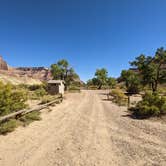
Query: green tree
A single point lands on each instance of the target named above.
(101, 76)
(131, 80)
(62, 70)
(111, 82)
(89, 82)
(151, 69)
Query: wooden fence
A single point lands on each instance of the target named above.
(25, 111)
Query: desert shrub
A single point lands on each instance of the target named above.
(37, 94)
(74, 89)
(30, 117)
(162, 89)
(92, 87)
(37, 91)
(151, 105)
(8, 126)
(47, 99)
(36, 86)
(11, 100)
(22, 86)
(118, 97)
(40, 92)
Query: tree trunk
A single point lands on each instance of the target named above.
(154, 86)
(100, 86)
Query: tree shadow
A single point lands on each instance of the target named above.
(103, 93)
(133, 116)
(106, 100)
(129, 116)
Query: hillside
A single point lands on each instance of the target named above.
(26, 75)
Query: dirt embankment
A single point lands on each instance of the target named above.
(86, 130)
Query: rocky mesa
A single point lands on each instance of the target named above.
(27, 75)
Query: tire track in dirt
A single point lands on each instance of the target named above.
(135, 145)
(86, 130)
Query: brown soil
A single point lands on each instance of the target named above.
(86, 130)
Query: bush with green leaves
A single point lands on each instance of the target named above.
(40, 92)
(111, 82)
(74, 89)
(8, 126)
(118, 97)
(47, 99)
(37, 86)
(131, 80)
(11, 100)
(151, 105)
(30, 117)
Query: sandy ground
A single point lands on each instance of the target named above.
(86, 130)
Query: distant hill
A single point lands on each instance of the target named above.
(25, 75)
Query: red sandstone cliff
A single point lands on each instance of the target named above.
(23, 74)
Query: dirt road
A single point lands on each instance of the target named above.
(86, 130)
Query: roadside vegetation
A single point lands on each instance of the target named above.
(101, 80)
(151, 71)
(151, 105)
(63, 71)
(14, 98)
(147, 77)
(11, 99)
(118, 97)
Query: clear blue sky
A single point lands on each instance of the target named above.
(90, 34)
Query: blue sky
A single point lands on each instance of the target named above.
(90, 34)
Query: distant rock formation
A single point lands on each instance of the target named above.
(41, 73)
(3, 64)
(27, 74)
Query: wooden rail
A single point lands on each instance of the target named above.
(25, 111)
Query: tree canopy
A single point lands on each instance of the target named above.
(101, 77)
(152, 69)
(131, 80)
(62, 70)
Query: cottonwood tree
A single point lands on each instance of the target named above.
(111, 82)
(62, 70)
(101, 77)
(152, 70)
(131, 80)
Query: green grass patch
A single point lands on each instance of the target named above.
(30, 117)
(8, 126)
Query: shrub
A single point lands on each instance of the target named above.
(11, 100)
(111, 82)
(47, 99)
(40, 92)
(118, 97)
(8, 126)
(74, 89)
(36, 86)
(151, 105)
(30, 117)
(22, 86)
(37, 91)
